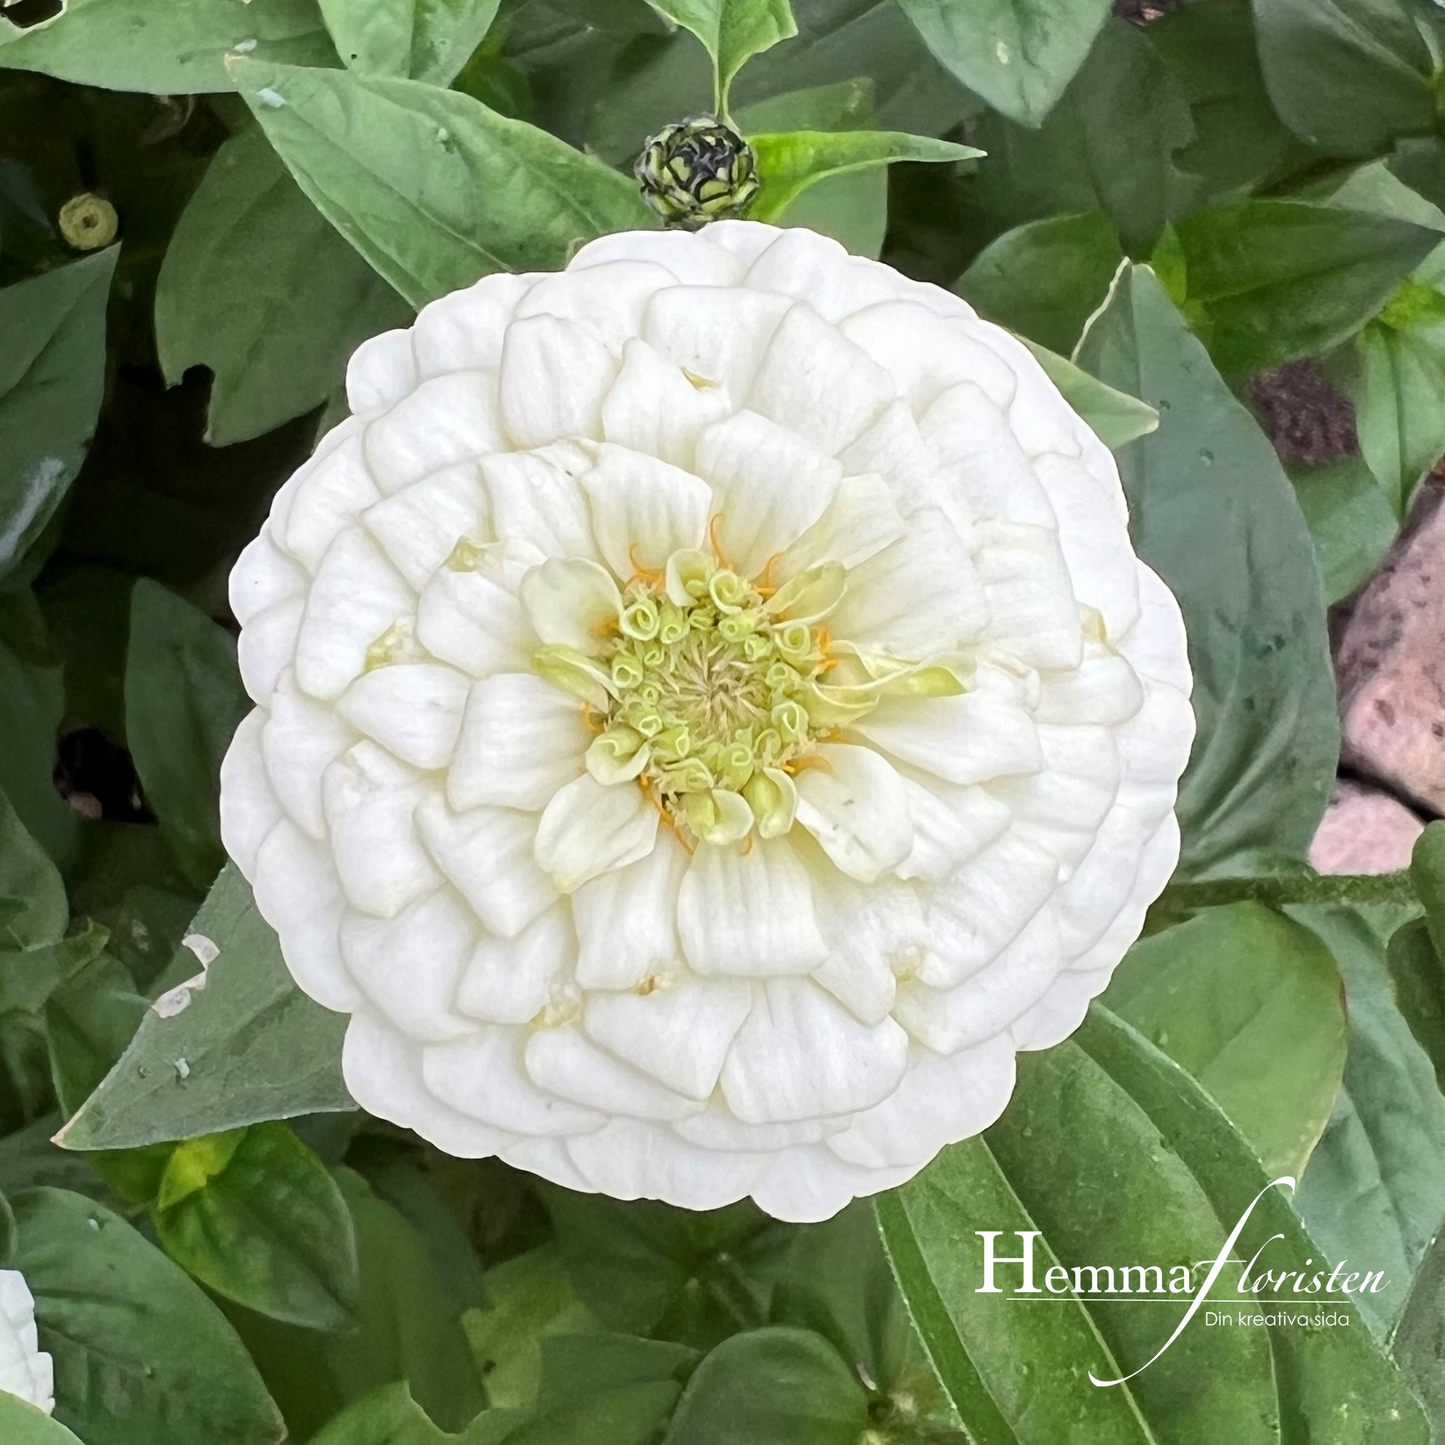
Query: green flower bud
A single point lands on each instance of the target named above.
(697, 171)
(88, 222)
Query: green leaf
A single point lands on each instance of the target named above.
(732, 31)
(771, 1387)
(22, 1424)
(90, 1019)
(52, 375)
(142, 1357)
(576, 1366)
(257, 286)
(1417, 979)
(1044, 279)
(1251, 1004)
(1375, 1187)
(1350, 519)
(409, 1331)
(1400, 409)
(1116, 417)
(183, 699)
(628, 1415)
(245, 1046)
(266, 1227)
(1418, 1343)
(1117, 1156)
(165, 47)
(1427, 873)
(28, 877)
(791, 162)
(1349, 75)
(1017, 54)
(1264, 694)
(388, 1416)
(427, 40)
(529, 1298)
(1277, 280)
(431, 186)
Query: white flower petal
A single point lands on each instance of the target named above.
(327, 495)
(806, 1186)
(718, 335)
(1062, 806)
(381, 371)
(855, 804)
(744, 457)
(300, 740)
(564, 1061)
(521, 741)
(249, 806)
(475, 623)
(607, 300)
(263, 576)
(970, 738)
(749, 912)
(689, 257)
(412, 708)
(487, 854)
(419, 527)
(630, 1159)
(409, 966)
(25, 1370)
(509, 980)
(463, 331)
(859, 521)
(453, 418)
(679, 1033)
(1032, 611)
(817, 269)
(267, 647)
(537, 501)
(553, 379)
(571, 602)
(951, 824)
(653, 407)
(643, 510)
(627, 919)
(1156, 644)
(588, 829)
(801, 1054)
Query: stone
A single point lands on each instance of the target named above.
(1390, 664)
(1364, 831)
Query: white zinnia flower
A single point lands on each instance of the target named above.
(709, 717)
(25, 1369)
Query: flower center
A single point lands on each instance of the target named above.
(709, 703)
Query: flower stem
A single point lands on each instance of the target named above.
(1276, 891)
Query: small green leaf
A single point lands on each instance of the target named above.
(90, 1019)
(1017, 54)
(257, 286)
(1252, 1005)
(1279, 280)
(1351, 520)
(778, 1385)
(52, 375)
(1115, 417)
(1417, 979)
(1044, 279)
(792, 161)
(1427, 872)
(431, 186)
(22, 1424)
(1400, 408)
(245, 1046)
(142, 1357)
(28, 878)
(427, 40)
(1418, 1343)
(263, 1223)
(389, 1416)
(165, 47)
(732, 31)
(183, 699)
(1264, 693)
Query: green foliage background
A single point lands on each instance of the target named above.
(222, 1249)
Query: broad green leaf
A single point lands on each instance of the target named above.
(529, 1298)
(262, 1222)
(244, 1046)
(791, 162)
(1277, 280)
(733, 31)
(257, 286)
(627, 1415)
(1400, 408)
(427, 40)
(409, 1332)
(1251, 1004)
(1264, 759)
(1044, 279)
(142, 1357)
(1427, 872)
(1418, 1343)
(1117, 1156)
(165, 47)
(1349, 75)
(1115, 417)
(431, 186)
(576, 1366)
(774, 1386)
(52, 375)
(1375, 1187)
(851, 206)
(28, 877)
(1417, 980)
(183, 699)
(1017, 54)
(389, 1416)
(90, 1019)
(22, 1424)
(1350, 519)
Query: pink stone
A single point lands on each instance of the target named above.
(1364, 831)
(1391, 664)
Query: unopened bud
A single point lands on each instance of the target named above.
(697, 171)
